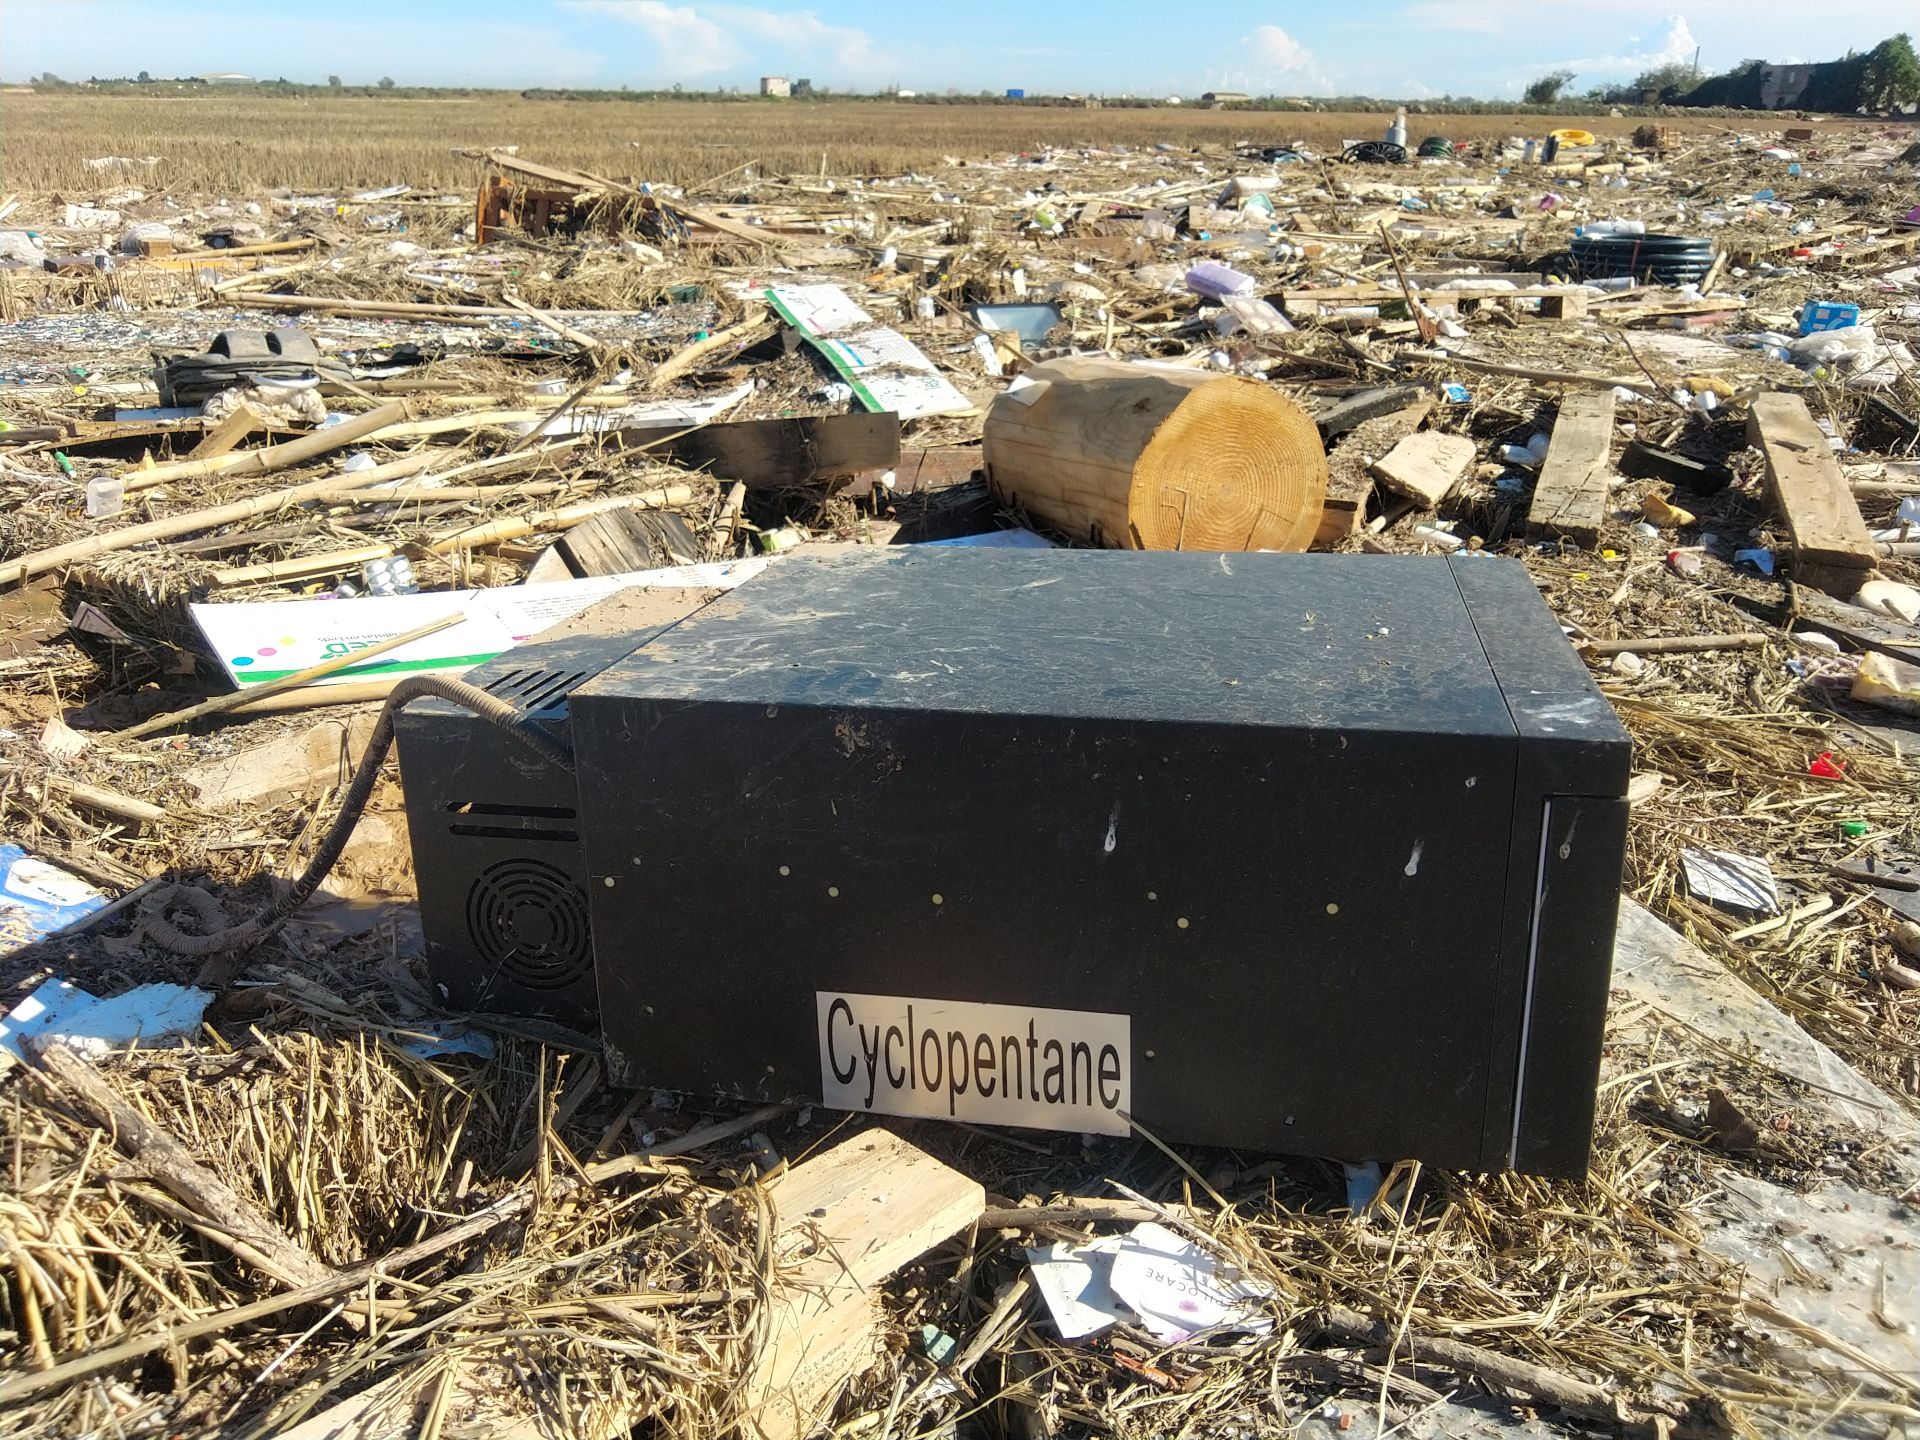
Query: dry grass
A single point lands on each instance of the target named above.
(247, 143)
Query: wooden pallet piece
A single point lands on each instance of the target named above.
(1832, 550)
(1426, 466)
(1570, 498)
(847, 1220)
(1350, 470)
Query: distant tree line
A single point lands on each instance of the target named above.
(1884, 78)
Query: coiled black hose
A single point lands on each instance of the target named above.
(252, 931)
(1375, 152)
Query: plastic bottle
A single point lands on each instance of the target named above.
(924, 308)
(1397, 131)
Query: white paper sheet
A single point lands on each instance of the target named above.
(259, 641)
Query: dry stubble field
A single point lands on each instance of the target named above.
(220, 143)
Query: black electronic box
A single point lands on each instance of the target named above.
(1305, 853)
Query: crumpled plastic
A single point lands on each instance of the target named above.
(274, 404)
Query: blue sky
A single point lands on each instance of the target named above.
(1404, 48)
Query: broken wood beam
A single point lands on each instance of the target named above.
(227, 434)
(1570, 497)
(757, 326)
(1832, 550)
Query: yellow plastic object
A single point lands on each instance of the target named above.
(1886, 682)
(1666, 516)
(1572, 137)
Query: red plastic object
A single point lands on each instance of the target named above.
(1828, 767)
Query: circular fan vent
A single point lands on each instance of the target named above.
(528, 920)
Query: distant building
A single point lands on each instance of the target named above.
(1214, 99)
(775, 85)
(905, 94)
(1173, 99)
(1785, 87)
(224, 77)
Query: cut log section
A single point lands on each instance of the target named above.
(1571, 496)
(1831, 548)
(1137, 457)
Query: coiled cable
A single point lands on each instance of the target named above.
(326, 855)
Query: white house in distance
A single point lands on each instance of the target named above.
(776, 85)
(225, 77)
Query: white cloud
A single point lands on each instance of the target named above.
(1272, 61)
(688, 42)
(713, 38)
(804, 30)
(1275, 50)
(1674, 44)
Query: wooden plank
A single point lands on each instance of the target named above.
(1424, 467)
(773, 454)
(605, 546)
(1350, 470)
(1853, 624)
(1570, 497)
(227, 434)
(940, 468)
(848, 1220)
(1350, 412)
(299, 764)
(1831, 547)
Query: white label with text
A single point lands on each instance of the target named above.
(986, 1064)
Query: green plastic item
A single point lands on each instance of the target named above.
(1853, 829)
(66, 465)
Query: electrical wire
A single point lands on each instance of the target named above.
(326, 855)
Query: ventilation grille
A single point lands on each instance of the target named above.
(531, 690)
(552, 823)
(528, 922)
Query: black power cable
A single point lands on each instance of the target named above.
(258, 927)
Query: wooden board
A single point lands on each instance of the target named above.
(1350, 470)
(1350, 412)
(1424, 467)
(847, 1220)
(298, 764)
(772, 454)
(1831, 548)
(1853, 624)
(1570, 497)
(620, 542)
(227, 434)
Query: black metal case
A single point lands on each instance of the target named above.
(496, 830)
(1305, 853)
